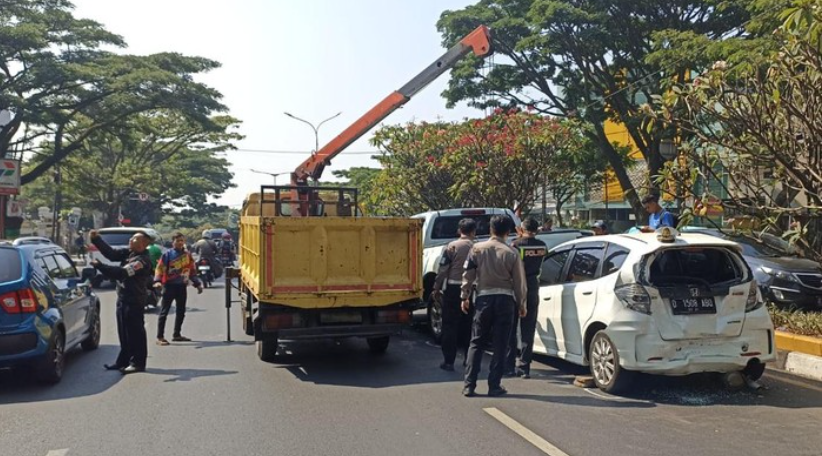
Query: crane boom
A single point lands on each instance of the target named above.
(478, 42)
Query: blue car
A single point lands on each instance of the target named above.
(46, 308)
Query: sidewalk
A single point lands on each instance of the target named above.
(799, 355)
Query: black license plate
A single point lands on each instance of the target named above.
(692, 306)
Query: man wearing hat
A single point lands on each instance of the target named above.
(599, 228)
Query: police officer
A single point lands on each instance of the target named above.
(133, 276)
(456, 326)
(532, 251)
(497, 270)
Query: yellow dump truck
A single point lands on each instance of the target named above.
(333, 274)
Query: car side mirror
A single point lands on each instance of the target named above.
(88, 274)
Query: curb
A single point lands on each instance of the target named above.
(799, 355)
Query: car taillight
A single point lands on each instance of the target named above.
(22, 301)
(635, 297)
(473, 212)
(753, 302)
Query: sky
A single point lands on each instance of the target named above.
(311, 58)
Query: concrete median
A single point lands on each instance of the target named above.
(799, 355)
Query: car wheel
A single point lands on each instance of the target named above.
(378, 345)
(51, 369)
(603, 357)
(435, 319)
(267, 349)
(93, 339)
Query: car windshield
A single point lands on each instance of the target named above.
(118, 238)
(446, 227)
(694, 265)
(12, 267)
(770, 246)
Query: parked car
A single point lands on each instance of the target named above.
(26, 240)
(785, 278)
(658, 303)
(117, 238)
(46, 309)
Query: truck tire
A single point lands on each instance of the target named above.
(378, 345)
(267, 349)
(248, 321)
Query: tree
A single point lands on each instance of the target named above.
(363, 179)
(756, 134)
(498, 161)
(63, 87)
(164, 154)
(589, 59)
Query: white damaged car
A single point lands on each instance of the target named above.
(658, 303)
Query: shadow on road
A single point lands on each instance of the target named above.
(84, 376)
(186, 375)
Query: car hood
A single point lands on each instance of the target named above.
(792, 264)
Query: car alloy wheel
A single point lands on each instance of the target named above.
(603, 361)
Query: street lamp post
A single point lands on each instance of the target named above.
(316, 129)
(274, 175)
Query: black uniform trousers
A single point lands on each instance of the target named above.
(456, 326)
(172, 292)
(527, 330)
(493, 317)
(131, 330)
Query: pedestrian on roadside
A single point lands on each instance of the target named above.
(600, 228)
(497, 270)
(132, 276)
(658, 216)
(174, 271)
(80, 245)
(532, 251)
(456, 326)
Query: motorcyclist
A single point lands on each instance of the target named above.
(206, 249)
(226, 249)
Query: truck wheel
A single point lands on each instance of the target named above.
(248, 321)
(267, 349)
(378, 345)
(435, 319)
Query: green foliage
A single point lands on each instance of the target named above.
(363, 179)
(498, 161)
(64, 87)
(164, 154)
(595, 60)
(797, 322)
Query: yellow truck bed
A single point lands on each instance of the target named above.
(331, 262)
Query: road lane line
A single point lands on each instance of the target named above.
(532, 438)
(62, 452)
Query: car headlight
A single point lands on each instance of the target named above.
(779, 274)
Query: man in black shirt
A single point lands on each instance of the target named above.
(133, 277)
(532, 251)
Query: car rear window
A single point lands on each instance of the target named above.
(695, 265)
(116, 238)
(446, 227)
(12, 268)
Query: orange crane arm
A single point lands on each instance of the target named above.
(478, 42)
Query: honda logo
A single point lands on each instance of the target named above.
(694, 292)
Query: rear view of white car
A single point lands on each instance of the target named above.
(659, 303)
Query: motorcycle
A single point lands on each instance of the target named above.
(204, 272)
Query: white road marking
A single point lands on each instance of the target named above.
(62, 452)
(532, 438)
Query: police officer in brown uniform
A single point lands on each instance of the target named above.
(456, 326)
(497, 270)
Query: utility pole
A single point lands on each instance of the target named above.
(58, 196)
(316, 129)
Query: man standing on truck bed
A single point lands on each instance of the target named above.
(456, 326)
(133, 277)
(498, 272)
(532, 251)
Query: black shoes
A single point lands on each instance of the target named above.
(468, 391)
(523, 373)
(447, 367)
(497, 392)
(112, 367)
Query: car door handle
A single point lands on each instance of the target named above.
(587, 293)
(546, 299)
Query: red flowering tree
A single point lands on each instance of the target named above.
(497, 161)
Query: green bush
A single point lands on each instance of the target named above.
(797, 322)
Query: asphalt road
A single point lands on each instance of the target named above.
(210, 397)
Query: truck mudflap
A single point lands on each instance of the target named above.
(288, 323)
